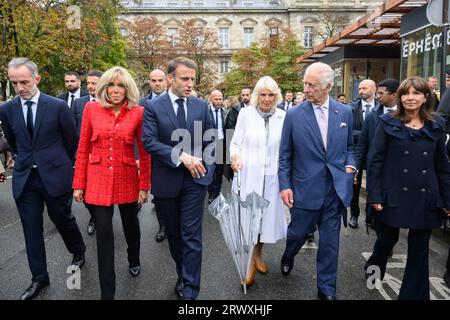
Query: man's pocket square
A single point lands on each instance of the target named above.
(342, 125)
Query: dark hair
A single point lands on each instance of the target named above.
(391, 85)
(288, 91)
(340, 95)
(173, 64)
(95, 73)
(426, 111)
(247, 87)
(72, 73)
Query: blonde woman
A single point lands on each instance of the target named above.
(254, 152)
(106, 173)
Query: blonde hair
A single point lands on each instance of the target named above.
(269, 84)
(123, 76)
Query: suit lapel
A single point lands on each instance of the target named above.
(168, 107)
(312, 122)
(17, 107)
(40, 111)
(190, 110)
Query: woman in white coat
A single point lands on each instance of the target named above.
(254, 151)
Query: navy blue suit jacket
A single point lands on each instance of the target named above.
(52, 148)
(358, 119)
(159, 123)
(78, 109)
(304, 162)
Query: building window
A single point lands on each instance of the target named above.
(223, 38)
(273, 31)
(248, 4)
(124, 32)
(248, 37)
(172, 4)
(173, 35)
(224, 66)
(199, 4)
(308, 37)
(222, 4)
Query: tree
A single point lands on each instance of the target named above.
(202, 46)
(59, 39)
(274, 55)
(149, 46)
(332, 23)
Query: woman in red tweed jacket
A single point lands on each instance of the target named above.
(106, 172)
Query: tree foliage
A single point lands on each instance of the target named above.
(274, 56)
(60, 39)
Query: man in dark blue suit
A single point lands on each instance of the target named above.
(181, 170)
(158, 84)
(361, 108)
(316, 169)
(74, 91)
(92, 80)
(387, 97)
(287, 103)
(41, 133)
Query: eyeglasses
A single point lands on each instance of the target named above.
(379, 93)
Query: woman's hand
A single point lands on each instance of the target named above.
(78, 195)
(236, 163)
(377, 206)
(143, 197)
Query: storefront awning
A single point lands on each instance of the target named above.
(379, 28)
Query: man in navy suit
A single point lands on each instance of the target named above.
(316, 169)
(181, 170)
(41, 133)
(287, 103)
(92, 80)
(361, 108)
(158, 84)
(73, 84)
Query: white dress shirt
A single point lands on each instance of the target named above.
(174, 97)
(219, 121)
(367, 107)
(35, 100)
(77, 94)
(386, 109)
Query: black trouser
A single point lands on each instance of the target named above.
(448, 261)
(415, 284)
(354, 205)
(216, 184)
(159, 216)
(105, 243)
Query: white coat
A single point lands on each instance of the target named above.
(260, 158)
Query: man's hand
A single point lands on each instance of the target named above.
(9, 160)
(236, 163)
(377, 206)
(78, 195)
(143, 197)
(193, 164)
(288, 197)
(350, 170)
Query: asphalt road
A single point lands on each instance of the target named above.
(220, 279)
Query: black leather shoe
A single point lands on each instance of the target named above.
(134, 271)
(179, 287)
(34, 289)
(161, 235)
(78, 260)
(353, 222)
(286, 267)
(91, 227)
(323, 296)
(310, 237)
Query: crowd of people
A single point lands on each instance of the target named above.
(303, 152)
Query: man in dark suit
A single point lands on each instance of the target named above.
(287, 103)
(73, 82)
(361, 107)
(316, 167)
(432, 83)
(41, 133)
(158, 85)
(387, 97)
(181, 170)
(218, 120)
(92, 80)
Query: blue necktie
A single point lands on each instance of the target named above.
(30, 125)
(181, 116)
(217, 118)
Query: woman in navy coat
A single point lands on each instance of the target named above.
(409, 183)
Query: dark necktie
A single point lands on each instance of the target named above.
(72, 97)
(217, 118)
(181, 116)
(30, 125)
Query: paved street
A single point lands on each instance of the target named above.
(219, 276)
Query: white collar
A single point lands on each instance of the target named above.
(174, 97)
(326, 105)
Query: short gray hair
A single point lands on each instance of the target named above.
(18, 62)
(327, 74)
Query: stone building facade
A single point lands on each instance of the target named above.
(239, 22)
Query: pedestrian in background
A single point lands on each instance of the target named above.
(106, 173)
(409, 161)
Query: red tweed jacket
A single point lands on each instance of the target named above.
(105, 167)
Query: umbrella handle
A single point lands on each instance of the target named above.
(238, 180)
